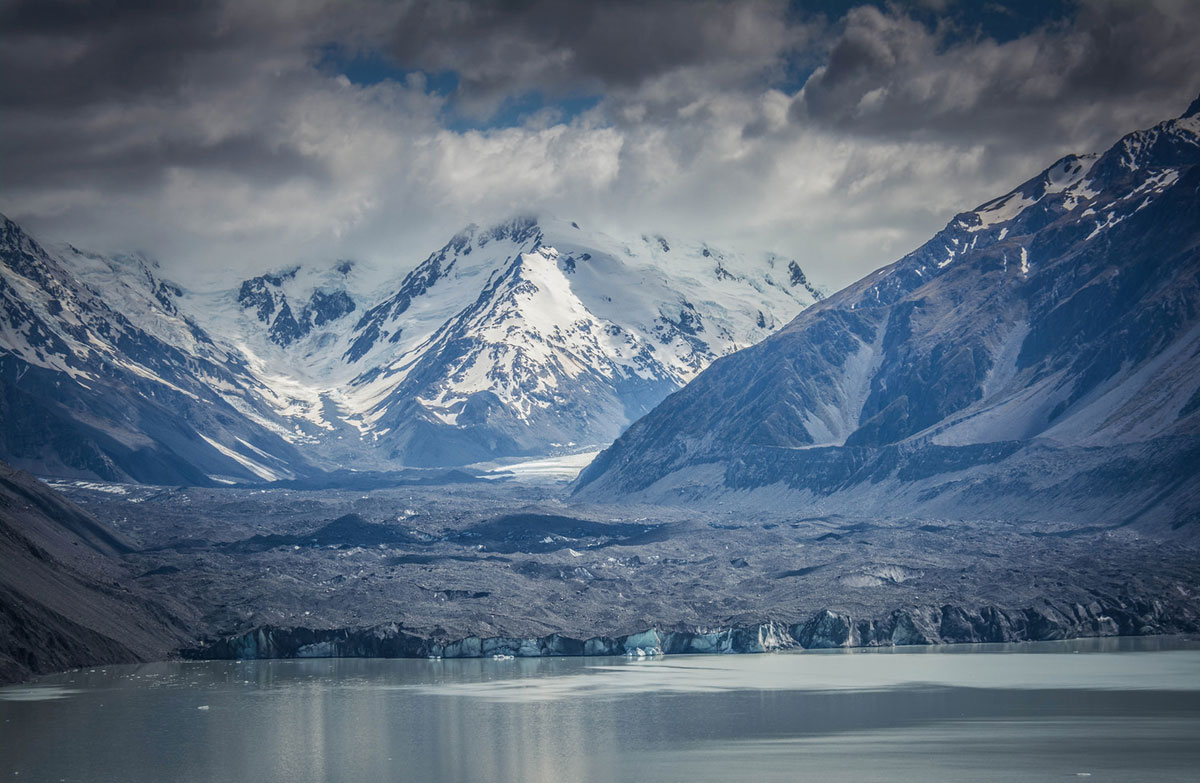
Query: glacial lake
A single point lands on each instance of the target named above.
(1100, 710)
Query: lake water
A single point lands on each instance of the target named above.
(1100, 710)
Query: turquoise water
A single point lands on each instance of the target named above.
(1101, 710)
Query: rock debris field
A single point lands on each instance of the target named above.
(505, 568)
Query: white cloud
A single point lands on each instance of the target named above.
(246, 155)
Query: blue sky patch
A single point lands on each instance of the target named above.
(369, 68)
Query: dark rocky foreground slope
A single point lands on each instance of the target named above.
(66, 598)
(1039, 358)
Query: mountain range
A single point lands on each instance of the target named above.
(1038, 357)
(1039, 354)
(989, 440)
(526, 338)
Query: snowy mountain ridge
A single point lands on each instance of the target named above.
(122, 384)
(528, 337)
(534, 326)
(521, 338)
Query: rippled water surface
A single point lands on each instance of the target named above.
(1102, 710)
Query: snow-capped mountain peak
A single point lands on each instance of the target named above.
(289, 316)
(538, 332)
(526, 337)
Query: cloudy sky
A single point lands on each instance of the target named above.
(250, 135)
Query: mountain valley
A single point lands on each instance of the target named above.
(994, 439)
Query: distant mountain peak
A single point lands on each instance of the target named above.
(1193, 109)
(292, 309)
(533, 331)
(102, 375)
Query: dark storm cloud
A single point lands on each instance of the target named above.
(105, 93)
(71, 53)
(87, 69)
(262, 133)
(889, 75)
(602, 46)
(57, 157)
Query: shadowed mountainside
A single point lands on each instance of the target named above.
(65, 597)
(1038, 356)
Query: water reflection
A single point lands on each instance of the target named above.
(989, 715)
(36, 693)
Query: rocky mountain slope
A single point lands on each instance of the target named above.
(65, 597)
(529, 337)
(103, 376)
(1038, 356)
